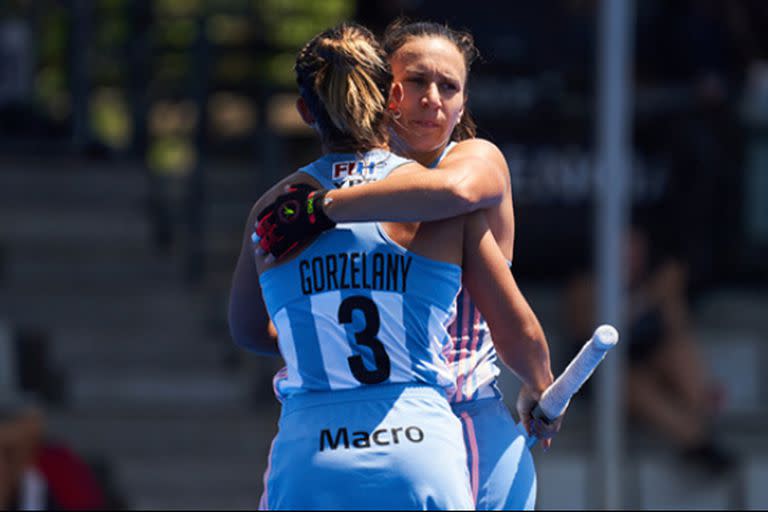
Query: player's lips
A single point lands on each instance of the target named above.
(427, 124)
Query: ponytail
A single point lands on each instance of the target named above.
(345, 80)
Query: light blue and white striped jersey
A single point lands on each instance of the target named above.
(355, 308)
(339, 170)
(472, 357)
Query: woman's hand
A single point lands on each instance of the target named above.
(542, 429)
(293, 218)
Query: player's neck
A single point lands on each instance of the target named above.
(349, 148)
(425, 158)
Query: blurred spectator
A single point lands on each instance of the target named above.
(668, 387)
(39, 474)
(22, 486)
(16, 60)
(36, 471)
(17, 64)
(36, 370)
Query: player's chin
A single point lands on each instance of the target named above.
(423, 139)
(426, 144)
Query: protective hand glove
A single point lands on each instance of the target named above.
(293, 217)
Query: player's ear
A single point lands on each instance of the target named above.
(303, 110)
(396, 94)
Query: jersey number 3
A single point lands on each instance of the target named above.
(366, 337)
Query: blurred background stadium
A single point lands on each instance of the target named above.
(136, 134)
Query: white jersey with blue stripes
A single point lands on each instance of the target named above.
(355, 308)
(472, 358)
(339, 170)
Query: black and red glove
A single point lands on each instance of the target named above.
(292, 218)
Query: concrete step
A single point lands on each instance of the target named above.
(736, 308)
(149, 434)
(103, 185)
(562, 482)
(231, 212)
(192, 499)
(221, 258)
(735, 358)
(234, 182)
(44, 250)
(82, 223)
(743, 434)
(101, 279)
(755, 478)
(740, 429)
(28, 265)
(225, 226)
(666, 484)
(651, 481)
(192, 477)
(119, 309)
(113, 388)
(138, 350)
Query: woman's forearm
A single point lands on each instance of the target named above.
(473, 176)
(527, 355)
(517, 333)
(407, 197)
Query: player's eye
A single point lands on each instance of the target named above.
(449, 86)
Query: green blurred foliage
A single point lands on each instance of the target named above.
(224, 29)
(172, 155)
(226, 5)
(253, 43)
(177, 33)
(235, 69)
(291, 23)
(110, 118)
(111, 31)
(51, 89)
(106, 69)
(111, 5)
(52, 36)
(278, 68)
(178, 8)
(49, 81)
(171, 67)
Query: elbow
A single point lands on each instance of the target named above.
(261, 346)
(525, 342)
(469, 196)
(463, 198)
(252, 338)
(537, 342)
(533, 333)
(241, 338)
(237, 334)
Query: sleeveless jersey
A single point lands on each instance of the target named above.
(355, 308)
(472, 358)
(339, 170)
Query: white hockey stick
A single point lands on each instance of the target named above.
(556, 397)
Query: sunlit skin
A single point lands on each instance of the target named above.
(429, 90)
(432, 73)
(427, 101)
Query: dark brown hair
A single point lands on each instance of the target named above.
(402, 30)
(344, 77)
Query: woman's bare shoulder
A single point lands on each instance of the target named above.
(278, 189)
(478, 147)
(267, 199)
(480, 150)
